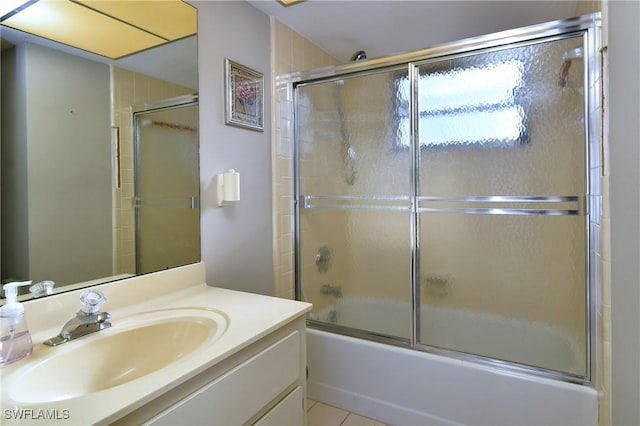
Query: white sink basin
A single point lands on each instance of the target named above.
(134, 347)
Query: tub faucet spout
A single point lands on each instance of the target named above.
(335, 291)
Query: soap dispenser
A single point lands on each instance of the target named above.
(15, 340)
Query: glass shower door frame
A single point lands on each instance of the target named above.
(371, 203)
(139, 203)
(587, 206)
(576, 205)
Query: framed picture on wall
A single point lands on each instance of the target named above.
(244, 96)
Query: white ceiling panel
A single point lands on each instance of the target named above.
(386, 27)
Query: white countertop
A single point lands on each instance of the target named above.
(250, 317)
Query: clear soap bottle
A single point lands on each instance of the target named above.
(15, 340)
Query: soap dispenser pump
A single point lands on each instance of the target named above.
(15, 340)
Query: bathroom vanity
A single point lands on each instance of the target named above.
(178, 352)
(261, 385)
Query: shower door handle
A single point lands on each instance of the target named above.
(192, 202)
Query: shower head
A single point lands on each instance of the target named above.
(360, 55)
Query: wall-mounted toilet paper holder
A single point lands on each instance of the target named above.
(228, 185)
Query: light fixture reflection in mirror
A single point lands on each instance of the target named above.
(287, 3)
(110, 29)
(74, 167)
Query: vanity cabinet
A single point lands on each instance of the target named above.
(263, 384)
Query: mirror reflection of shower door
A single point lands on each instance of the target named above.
(354, 201)
(502, 226)
(167, 186)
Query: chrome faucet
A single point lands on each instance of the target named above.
(88, 320)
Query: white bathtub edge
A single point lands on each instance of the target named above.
(353, 374)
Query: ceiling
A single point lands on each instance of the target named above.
(380, 27)
(386, 27)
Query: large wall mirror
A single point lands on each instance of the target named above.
(99, 151)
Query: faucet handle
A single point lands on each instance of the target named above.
(41, 289)
(91, 301)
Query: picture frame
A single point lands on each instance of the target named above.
(244, 96)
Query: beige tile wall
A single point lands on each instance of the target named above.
(129, 89)
(603, 312)
(290, 53)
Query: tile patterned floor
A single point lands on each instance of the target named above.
(319, 414)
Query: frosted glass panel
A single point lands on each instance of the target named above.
(507, 287)
(344, 129)
(499, 132)
(356, 190)
(366, 281)
(509, 122)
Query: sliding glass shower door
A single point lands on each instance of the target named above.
(502, 258)
(355, 190)
(443, 203)
(167, 186)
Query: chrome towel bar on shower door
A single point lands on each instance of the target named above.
(484, 204)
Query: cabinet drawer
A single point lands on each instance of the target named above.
(236, 396)
(288, 412)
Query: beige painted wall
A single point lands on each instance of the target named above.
(61, 164)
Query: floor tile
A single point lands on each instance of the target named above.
(356, 420)
(325, 415)
(310, 404)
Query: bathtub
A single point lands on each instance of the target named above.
(408, 387)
